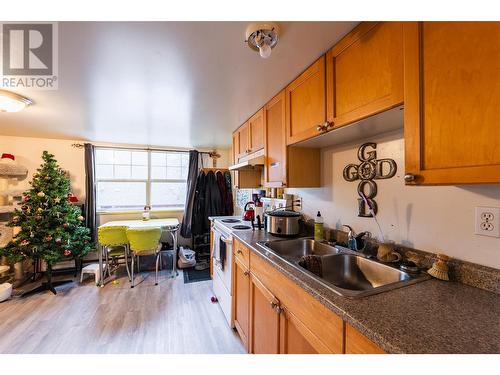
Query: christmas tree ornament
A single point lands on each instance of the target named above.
(57, 200)
(66, 225)
(81, 218)
(25, 243)
(67, 252)
(39, 209)
(40, 194)
(58, 241)
(26, 198)
(38, 217)
(48, 238)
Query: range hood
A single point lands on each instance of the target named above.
(249, 162)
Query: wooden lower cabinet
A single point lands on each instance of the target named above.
(264, 319)
(356, 343)
(241, 279)
(325, 327)
(275, 316)
(296, 338)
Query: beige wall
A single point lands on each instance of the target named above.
(430, 218)
(28, 152)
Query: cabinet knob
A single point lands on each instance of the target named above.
(276, 307)
(283, 184)
(325, 126)
(246, 273)
(239, 251)
(409, 177)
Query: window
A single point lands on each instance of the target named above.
(129, 179)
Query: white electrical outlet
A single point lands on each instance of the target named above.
(488, 221)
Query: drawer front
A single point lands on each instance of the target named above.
(241, 252)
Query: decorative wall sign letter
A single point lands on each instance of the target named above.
(367, 171)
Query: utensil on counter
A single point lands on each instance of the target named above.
(387, 254)
(439, 269)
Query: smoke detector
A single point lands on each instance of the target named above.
(262, 37)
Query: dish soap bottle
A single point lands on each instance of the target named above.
(318, 228)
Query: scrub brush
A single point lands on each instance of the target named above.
(439, 269)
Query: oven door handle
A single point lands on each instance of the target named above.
(226, 240)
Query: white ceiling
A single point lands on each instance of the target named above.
(179, 84)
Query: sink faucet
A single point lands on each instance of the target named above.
(355, 241)
(360, 242)
(351, 238)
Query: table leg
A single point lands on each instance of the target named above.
(101, 276)
(173, 233)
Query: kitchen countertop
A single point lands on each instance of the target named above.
(431, 316)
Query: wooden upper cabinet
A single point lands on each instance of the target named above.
(249, 137)
(364, 72)
(264, 319)
(452, 102)
(256, 131)
(236, 146)
(241, 300)
(356, 343)
(275, 142)
(305, 100)
(243, 140)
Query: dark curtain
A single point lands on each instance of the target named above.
(191, 188)
(90, 189)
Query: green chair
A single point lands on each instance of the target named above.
(114, 243)
(144, 241)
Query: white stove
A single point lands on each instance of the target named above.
(223, 228)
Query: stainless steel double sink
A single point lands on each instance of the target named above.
(344, 271)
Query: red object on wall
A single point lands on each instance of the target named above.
(72, 198)
(8, 156)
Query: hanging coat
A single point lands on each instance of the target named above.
(198, 221)
(213, 199)
(222, 189)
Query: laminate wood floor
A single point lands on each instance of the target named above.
(171, 317)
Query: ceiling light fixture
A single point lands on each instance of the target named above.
(262, 37)
(12, 102)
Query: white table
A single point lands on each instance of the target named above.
(170, 225)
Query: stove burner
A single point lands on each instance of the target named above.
(237, 227)
(230, 221)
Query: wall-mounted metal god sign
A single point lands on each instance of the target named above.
(367, 171)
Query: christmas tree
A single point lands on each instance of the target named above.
(52, 229)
